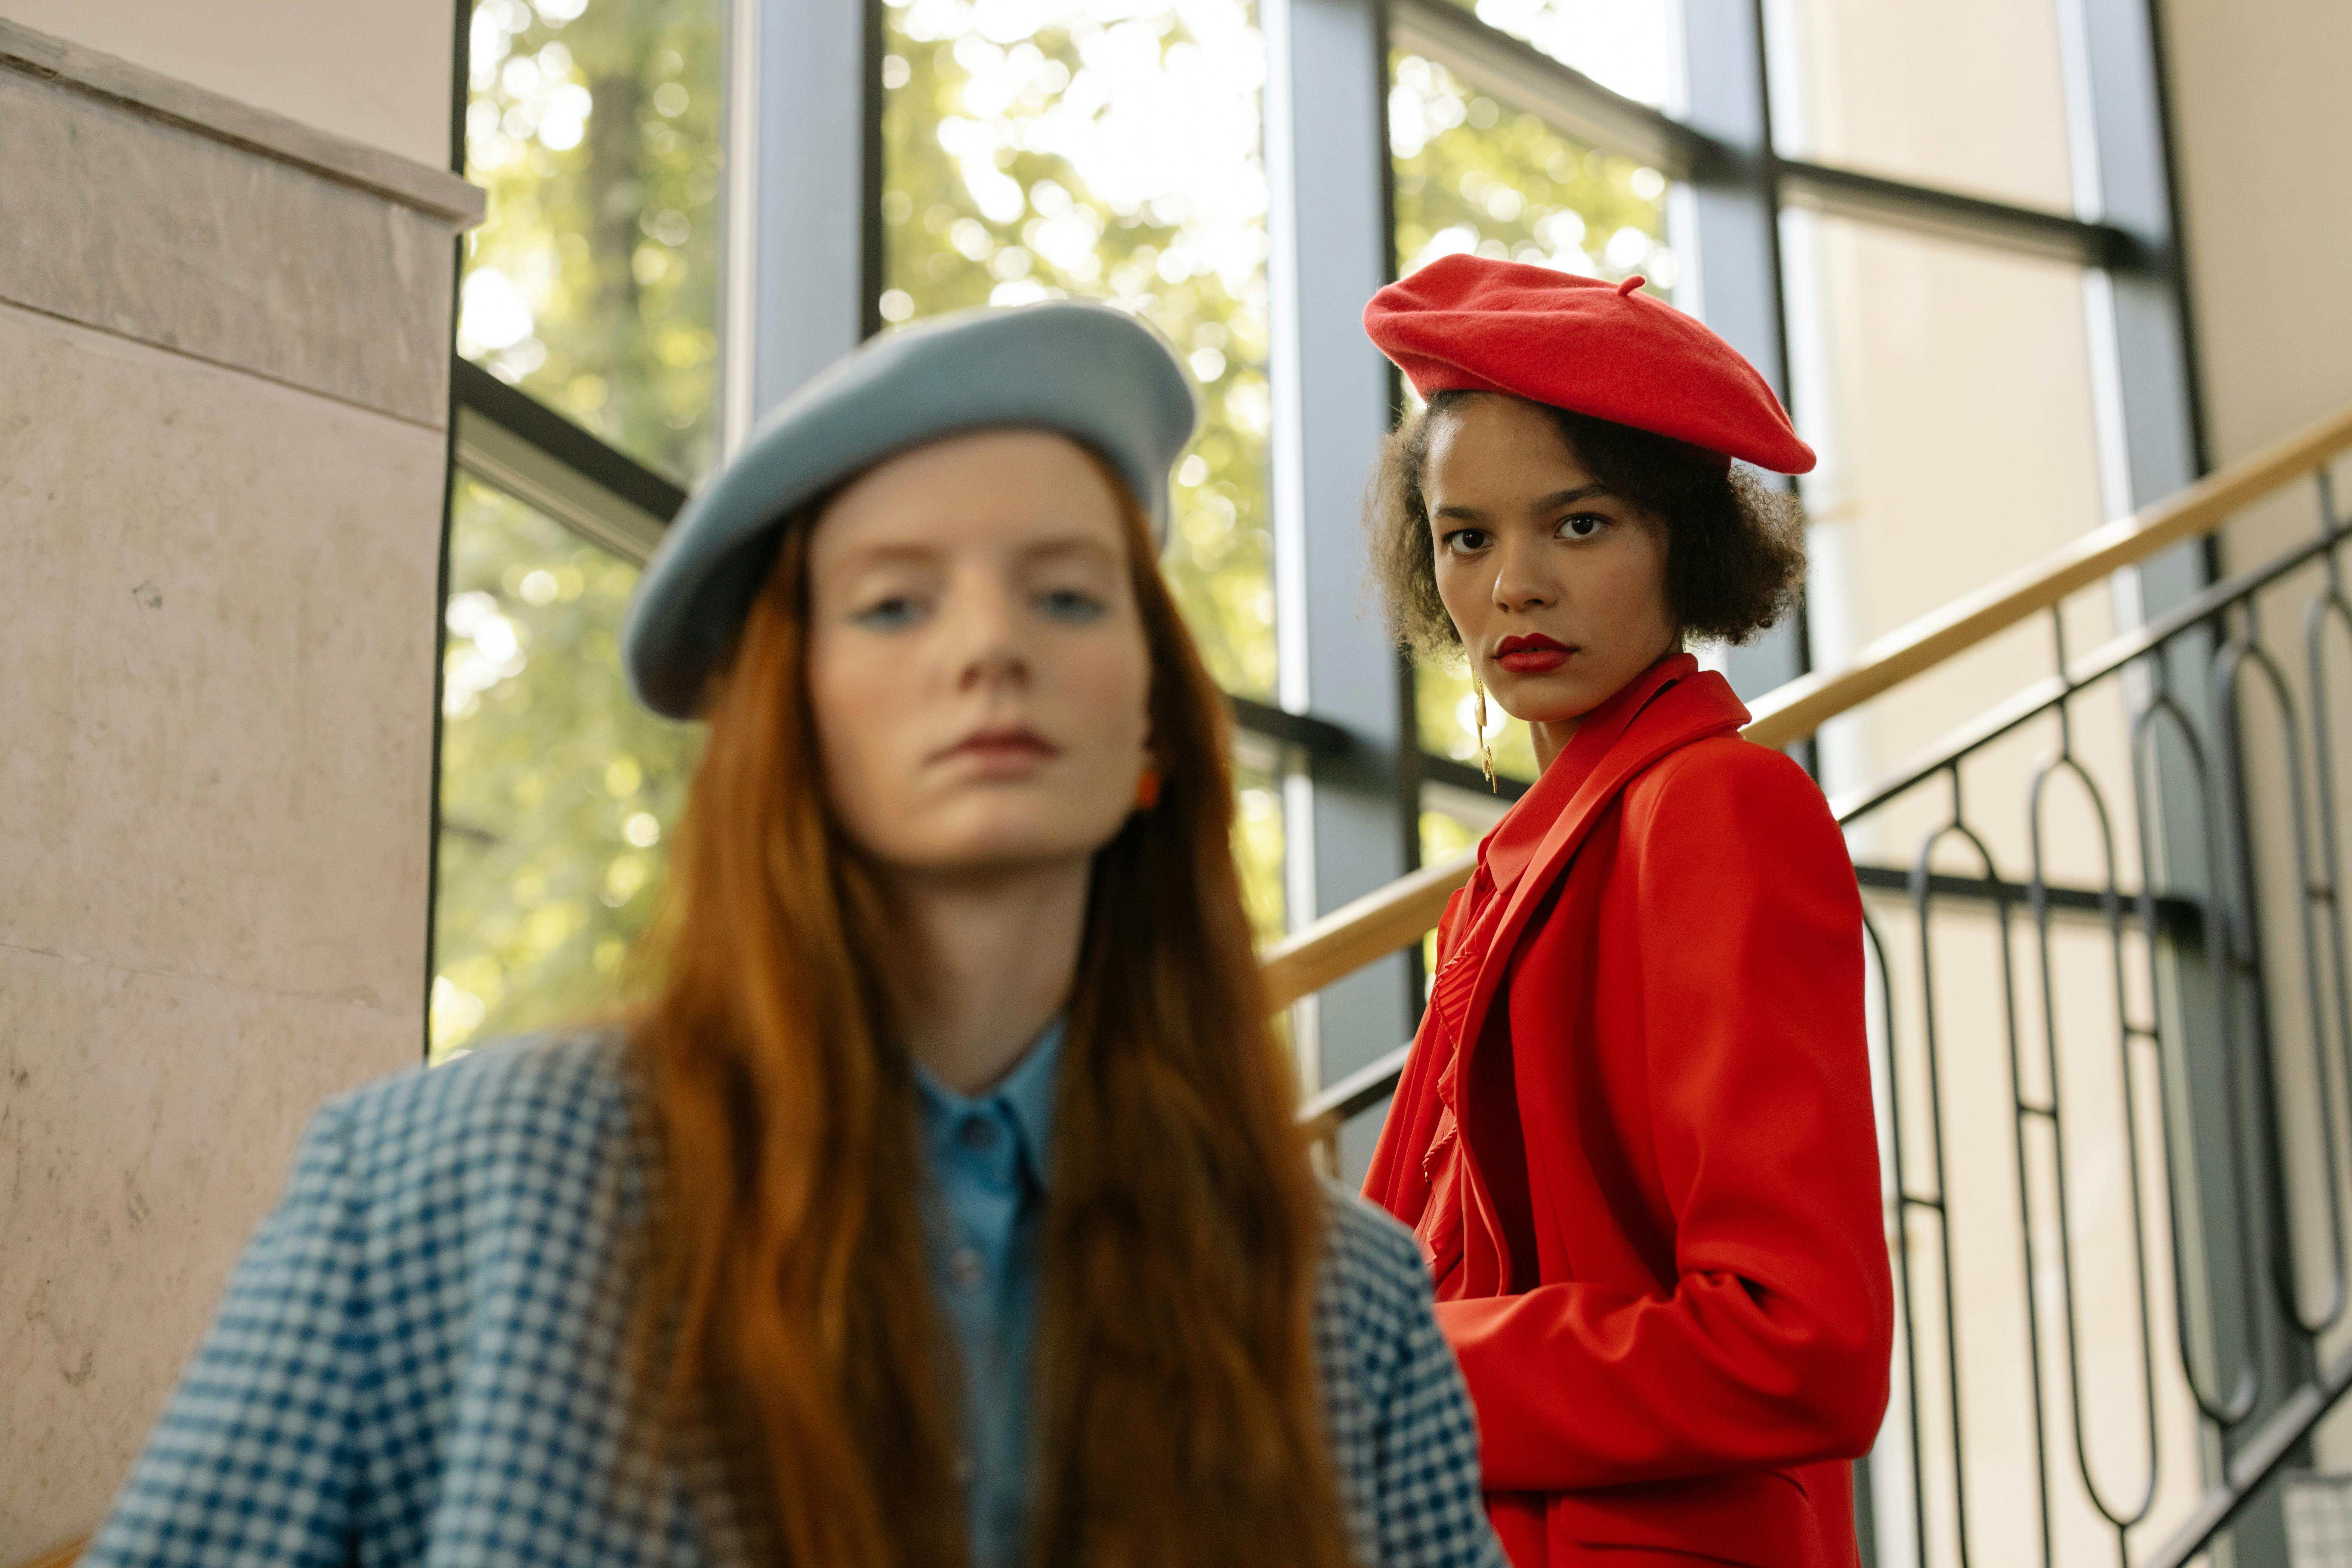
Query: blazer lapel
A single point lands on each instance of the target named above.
(1692, 707)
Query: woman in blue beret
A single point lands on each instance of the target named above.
(942, 1205)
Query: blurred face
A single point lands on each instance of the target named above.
(1558, 587)
(977, 663)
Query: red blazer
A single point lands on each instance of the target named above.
(1635, 1142)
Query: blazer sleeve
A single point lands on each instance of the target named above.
(1425, 1487)
(255, 1460)
(1772, 1347)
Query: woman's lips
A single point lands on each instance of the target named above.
(1012, 750)
(1532, 654)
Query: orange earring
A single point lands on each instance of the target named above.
(1146, 790)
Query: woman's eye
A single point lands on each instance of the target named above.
(894, 614)
(1467, 541)
(1583, 525)
(1071, 604)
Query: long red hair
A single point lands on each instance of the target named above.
(1179, 1416)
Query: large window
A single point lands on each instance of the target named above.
(1895, 253)
(1622, 44)
(1920, 352)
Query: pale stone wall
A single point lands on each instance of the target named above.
(222, 458)
(376, 71)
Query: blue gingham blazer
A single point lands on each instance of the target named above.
(420, 1357)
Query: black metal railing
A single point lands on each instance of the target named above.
(2144, 1370)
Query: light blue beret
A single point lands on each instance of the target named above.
(1085, 371)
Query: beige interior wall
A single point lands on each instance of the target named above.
(2264, 132)
(222, 462)
(374, 71)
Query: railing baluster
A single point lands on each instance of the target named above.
(1923, 903)
(2232, 662)
(2123, 1516)
(2162, 715)
(1899, 1204)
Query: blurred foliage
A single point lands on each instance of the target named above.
(1448, 711)
(1475, 173)
(1258, 847)
(594, 126)
(556, 789)
(1110, 150)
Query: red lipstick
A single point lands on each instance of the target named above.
(1531, 653)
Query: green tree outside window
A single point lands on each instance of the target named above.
(558, 792)
(594, 284)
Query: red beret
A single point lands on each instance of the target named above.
(1465, 323)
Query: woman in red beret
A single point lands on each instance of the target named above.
(1635, 1139)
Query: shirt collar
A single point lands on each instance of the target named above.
(1026, 1094)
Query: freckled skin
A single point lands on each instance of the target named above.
(1528, 541)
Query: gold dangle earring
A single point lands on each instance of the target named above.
(1486, 756)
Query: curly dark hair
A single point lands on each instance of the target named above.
(1735, 545)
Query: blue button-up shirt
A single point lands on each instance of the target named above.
(988, 1161)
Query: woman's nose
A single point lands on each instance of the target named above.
(1518, 585)
(987, 634)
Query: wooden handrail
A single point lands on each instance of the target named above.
(1355, 934)
(1392, 917)
(1797, 709)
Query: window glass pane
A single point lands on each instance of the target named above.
(1448, 711)
(594, 285)
(557, 790)
(1967, 96)
(1258, 841)
(1948, 392)
(1450, 822)
(1623, 45)
(1056, 148)
(1476, 173)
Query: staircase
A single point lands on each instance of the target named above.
(2112, 1038)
